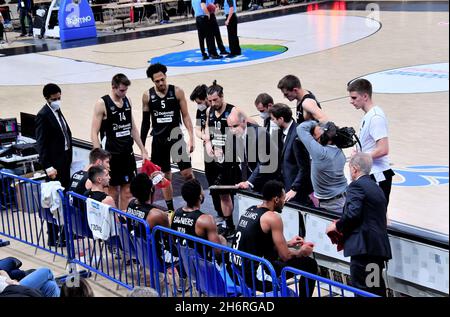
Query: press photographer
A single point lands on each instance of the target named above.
(327, 162)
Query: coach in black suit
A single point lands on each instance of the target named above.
(54, 143)
(364, 228)
(295, 165)
(258, 156)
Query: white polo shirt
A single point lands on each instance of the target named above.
(373, 128)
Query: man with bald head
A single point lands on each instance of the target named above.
(257, 155)
(364, 227)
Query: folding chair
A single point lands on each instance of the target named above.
(215, 281)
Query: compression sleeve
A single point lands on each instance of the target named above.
(145, 126)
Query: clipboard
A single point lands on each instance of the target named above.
(223, 187)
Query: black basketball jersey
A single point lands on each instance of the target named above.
(184, 221)
(309, 95)
(200, 119)
(78, 182)
(140, 211)
(95, 195)
(251, 239)
(217, 127)
(117, 126)
(165, 112)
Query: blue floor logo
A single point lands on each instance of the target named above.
(194, 57)
(422, 175)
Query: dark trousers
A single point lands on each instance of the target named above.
(204, 32)
(307, 264)
(63, 176)
(366, 273)
(386, 184)
(305, 287)
(245, 5)
(211, 174)
(233, 39)
(2, 29)
(23, 14)
(216, 33)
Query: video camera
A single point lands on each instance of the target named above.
(346, 137)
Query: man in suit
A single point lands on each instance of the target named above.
(54, 144)
(364, 228)
(295, 164)
(263, 103)
(258, 156)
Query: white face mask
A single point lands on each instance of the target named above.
(55, 105)
(264, 115)
(273, 125)
(201, 107)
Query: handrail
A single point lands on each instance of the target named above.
(318, 278)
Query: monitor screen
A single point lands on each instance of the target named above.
(28, 125)
(8, 130)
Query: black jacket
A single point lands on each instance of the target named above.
(50, 140)
(295, 165)
(20, 291)
(364, 222)
(258, 146)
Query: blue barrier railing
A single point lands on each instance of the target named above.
(174, 263)
(122, 256)
(207, 268)
(24, 219)
(332, 288)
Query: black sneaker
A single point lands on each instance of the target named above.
(205, 57)
(215, 56)
(230, 56)
(224, 53)
(22, 35)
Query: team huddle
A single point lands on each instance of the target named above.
(297, 159)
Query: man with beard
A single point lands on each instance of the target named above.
(198, 96)
(215, 137)
(164, 106)
(260, 232)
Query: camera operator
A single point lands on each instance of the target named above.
(327, 164)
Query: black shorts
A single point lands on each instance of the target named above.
(123, 169)
(161, 153)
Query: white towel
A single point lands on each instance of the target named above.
(50, 199)
(100, 219)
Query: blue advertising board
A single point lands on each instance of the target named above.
(76, 20)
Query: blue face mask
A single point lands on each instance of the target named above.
(264, 115)
(55, 105)
(201, 107)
